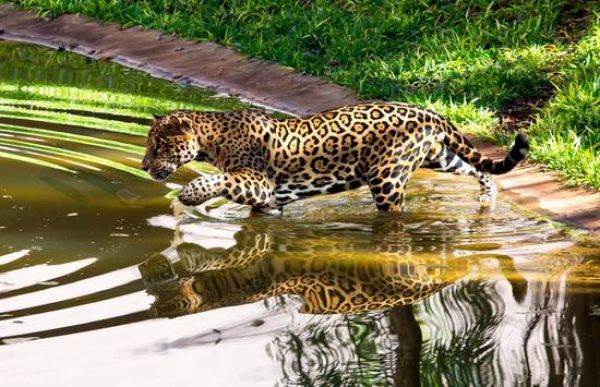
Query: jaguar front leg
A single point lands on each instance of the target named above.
(200, 190)
(244, 186)
(250, 187)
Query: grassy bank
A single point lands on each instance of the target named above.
(471, 60)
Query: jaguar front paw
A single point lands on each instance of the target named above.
(199, 190)
(189, 200)
(189, 196)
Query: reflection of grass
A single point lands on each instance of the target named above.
(349, 353)
(462, 340)
(96, 101)
(31, 100)
(71, 137)
(72, 154)
(469, 58)
(63, 88)
(72, 119)
(32, 160)
(70, 81)
(361, 330)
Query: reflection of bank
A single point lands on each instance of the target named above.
(478, 330)
(486, 333)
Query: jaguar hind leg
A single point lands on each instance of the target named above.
(442, 159)
(389, 177)
(487, 188)
(389, 195)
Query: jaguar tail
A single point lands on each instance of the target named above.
(463, 148)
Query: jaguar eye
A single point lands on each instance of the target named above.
(155, 152)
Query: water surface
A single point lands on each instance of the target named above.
(102, 280)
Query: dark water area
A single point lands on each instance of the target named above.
(105, 281)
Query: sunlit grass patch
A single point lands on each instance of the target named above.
(566, 134)
(577, 164)
(466, 114)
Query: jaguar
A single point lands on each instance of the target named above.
(268, 162)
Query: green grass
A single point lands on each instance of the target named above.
(467, 59)
(566, 134)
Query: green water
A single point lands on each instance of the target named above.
(102, 281)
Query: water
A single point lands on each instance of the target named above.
(102, 281)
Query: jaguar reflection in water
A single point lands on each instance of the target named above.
(330, 276)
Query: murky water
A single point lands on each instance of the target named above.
(102, 281)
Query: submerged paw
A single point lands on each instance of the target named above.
(487, 199)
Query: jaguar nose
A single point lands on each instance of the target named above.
(145, 168)
(162, 175)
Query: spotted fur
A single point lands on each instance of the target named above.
(268, 162)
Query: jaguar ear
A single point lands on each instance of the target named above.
(178, 125)
(185, 127)
(155, 118)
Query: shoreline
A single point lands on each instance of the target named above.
(265, 84)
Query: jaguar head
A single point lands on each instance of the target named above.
(171, 143)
